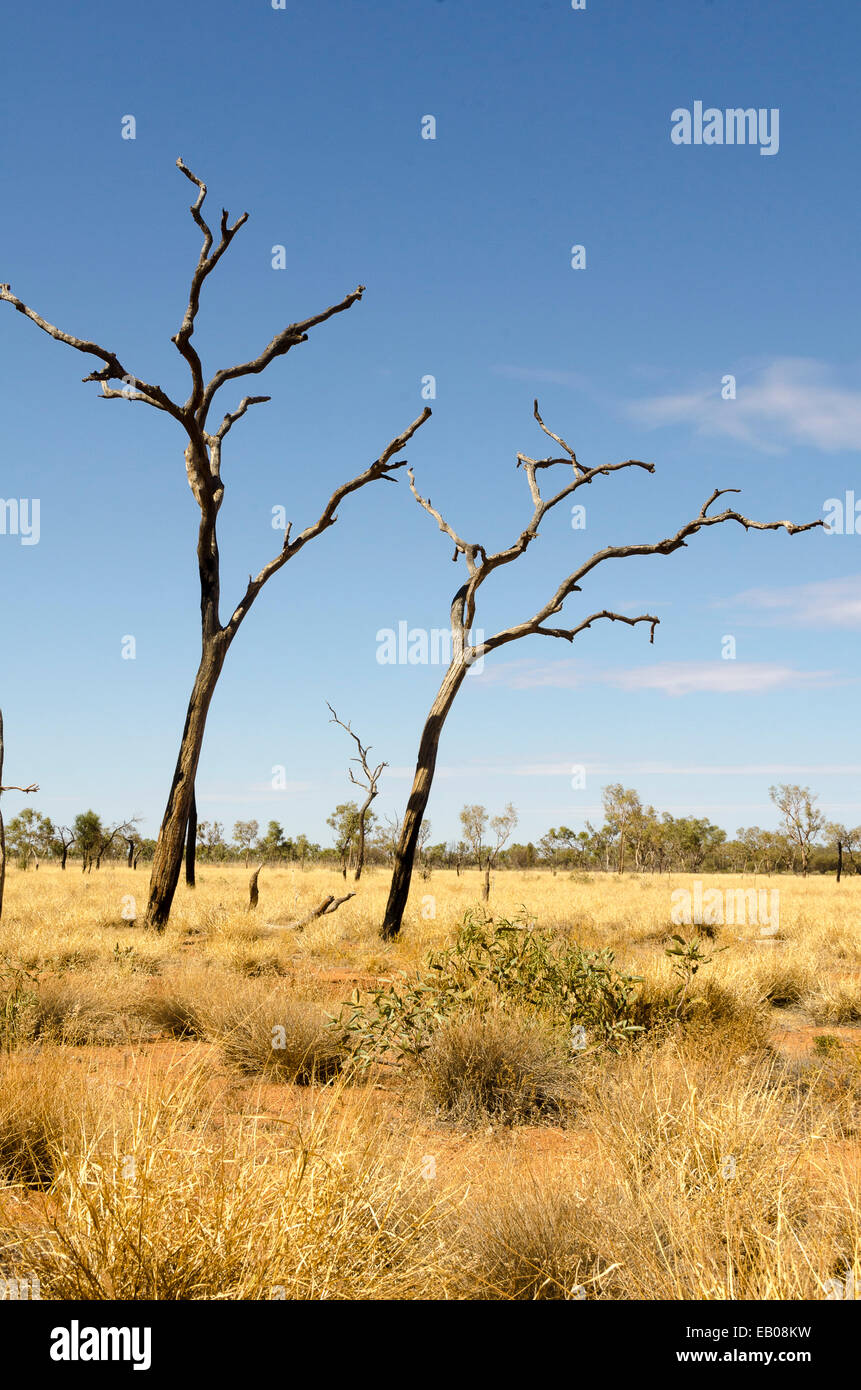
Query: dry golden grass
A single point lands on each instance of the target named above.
(153, 1144)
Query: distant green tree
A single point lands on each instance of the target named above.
(89, 833)
(802, 819)
(29, 835)
(245, 835)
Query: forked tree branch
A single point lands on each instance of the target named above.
(113, 369)
(288, 338)
(463, 606)
(372, 774)
(205, 264)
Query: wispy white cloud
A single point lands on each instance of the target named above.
(720, 677)
(671, 677)
(792, 400)
(822, 603)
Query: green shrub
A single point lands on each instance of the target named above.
(497, 965)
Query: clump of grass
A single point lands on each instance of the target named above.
(282, 1039)
(335, 1214)
(40, 1108)
(175, 1011)
(496, 1066)
(835, 1000)
(75, 1011)
(532, 1239)
(783, 982)
(730, 1008)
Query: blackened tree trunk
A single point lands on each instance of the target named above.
(167, 860)
(191, 843)
(360, 847)
(417, 805)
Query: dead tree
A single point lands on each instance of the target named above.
(65, 839)
(501, 826)
(479, 566)
(328, 905)
(124, 830)
(371, 778)
(27, 792)
(253, 892)
(203, 469)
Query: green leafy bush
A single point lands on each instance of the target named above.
(497, 965)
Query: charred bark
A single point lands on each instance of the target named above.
(191, 843)
(417, 805)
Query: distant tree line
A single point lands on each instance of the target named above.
(633, 838)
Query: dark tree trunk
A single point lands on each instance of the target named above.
(839, 860)
(191, 842)
(485, 889)
(417, 804)
(360, 852)
(253, 892)
(167, 860)
(65, 856)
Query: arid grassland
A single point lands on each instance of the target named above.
(237, 1110)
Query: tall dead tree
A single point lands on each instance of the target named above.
(65, 838)
(479, 566)
(368, 781)
(27, 791)
(203, 469)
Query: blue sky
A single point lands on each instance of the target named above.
(552, 130)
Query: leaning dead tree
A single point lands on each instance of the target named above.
(368, 779)
(27, 792)
(479, 566)
(203, 469)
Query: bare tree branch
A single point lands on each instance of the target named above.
(289, 337)
(205, 264)
(380, 468)
(570, 633)
(558, 438)
(113, 369)
(618, 552)
(231, 418)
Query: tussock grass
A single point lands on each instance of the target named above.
(280, 1039)
(43, 1103)
(497, 1067)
